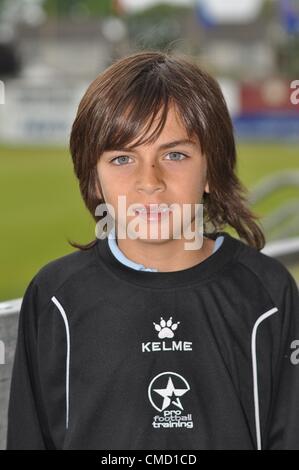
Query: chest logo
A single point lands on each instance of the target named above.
(166, 331)
(164, 393)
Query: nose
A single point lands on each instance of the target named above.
(150, 179)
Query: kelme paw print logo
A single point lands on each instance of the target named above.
(166, 329)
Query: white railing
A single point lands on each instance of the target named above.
(281, 248)
(10, 306)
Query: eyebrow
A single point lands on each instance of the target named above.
(167, 145)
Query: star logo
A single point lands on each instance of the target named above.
(169, 392)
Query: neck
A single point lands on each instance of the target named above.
(159, 254)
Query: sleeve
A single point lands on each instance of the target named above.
(283, 428)
(27, 423)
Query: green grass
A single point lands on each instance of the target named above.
(41, 206)
(259, 161)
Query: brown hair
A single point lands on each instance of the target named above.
(129, 93)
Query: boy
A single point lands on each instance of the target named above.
(141, 342)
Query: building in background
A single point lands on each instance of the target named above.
(52, 50)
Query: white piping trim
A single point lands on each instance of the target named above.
(67, 378)
(255, 378)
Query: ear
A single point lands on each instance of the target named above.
(207, 189)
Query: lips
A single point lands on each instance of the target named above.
(152, 209)
(153, 212)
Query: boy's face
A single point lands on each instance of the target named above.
(150, 174)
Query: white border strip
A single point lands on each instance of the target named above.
(11, 306)
(255, 378)
(67, 379)
(288, 246)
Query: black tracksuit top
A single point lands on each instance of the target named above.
(110, 358)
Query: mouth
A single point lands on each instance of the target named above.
(152, 211)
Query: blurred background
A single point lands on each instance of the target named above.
(50, 51)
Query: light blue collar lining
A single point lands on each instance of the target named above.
(140, 267)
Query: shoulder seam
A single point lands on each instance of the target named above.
(259, 279)
(57, 288)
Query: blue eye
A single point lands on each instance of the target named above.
(178, 153)
(117, 158)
